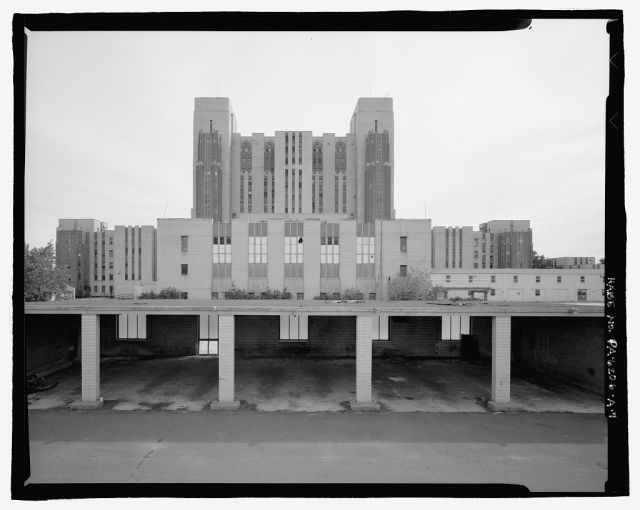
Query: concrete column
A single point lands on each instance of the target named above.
(363, 366)
(90, 359)
(500, 363)
(226, 363)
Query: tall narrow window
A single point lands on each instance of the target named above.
(403, 244)
(184, 268)
(344, 194)
(246, 199)
(329, 250)
(365, 250)
(293, 249)
(286, 190)
(184, 243)
(293, 190)
(221, 250)
(258, 249)
(300, 190)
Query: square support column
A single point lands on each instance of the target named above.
(364, 351)
(501, 364)
(90, 359)
(226, 363)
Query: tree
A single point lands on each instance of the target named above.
(541, 262)
(41, 276)
(415, 286)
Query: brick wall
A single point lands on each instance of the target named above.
(481, 330)
(48, 338)
(259, 336)
(570, 348)
(332, 336)
(410, 337)
(167, 335)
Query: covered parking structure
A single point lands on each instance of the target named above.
(360, 329)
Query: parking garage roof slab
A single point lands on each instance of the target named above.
(108, 306)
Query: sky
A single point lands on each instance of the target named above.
(505, 125)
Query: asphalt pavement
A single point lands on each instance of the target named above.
(549, 452)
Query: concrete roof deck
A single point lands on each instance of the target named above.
(315, 307)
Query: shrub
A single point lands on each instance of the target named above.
(169, 293)
(352, 293)
(415, 286)
(236, 293)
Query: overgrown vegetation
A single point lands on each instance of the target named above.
(415, 286)
(347, 294)
(236, 293)
(166, 293)
(42, 279)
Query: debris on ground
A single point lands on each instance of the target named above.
(36, 383)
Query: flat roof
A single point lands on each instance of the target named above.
(108, 306)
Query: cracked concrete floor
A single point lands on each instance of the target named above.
(313, 385)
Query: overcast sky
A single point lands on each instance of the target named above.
(507, 125)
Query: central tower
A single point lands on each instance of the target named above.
(293, 173)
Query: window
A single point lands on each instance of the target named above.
(323, 295)
(184, 243)
(447, 278)
(110, 265)
(103, 289)
(493, 279)
(365, 251)
(207, 347)
(184, 268)
(214, 295)
(293, 249)
(403, 270)
(470, 278)
(111, 241)
(103, 277)
(403, 244)
(110, 289)
(582, 279)
(515, 279)
(110, 277)
(537, 292)
(258, 249)
(330, 250)
(537, 279)
(95, 288)
(582, 294)
(372, 296)
(559, 279)
(493, 292)
(300, 295)
(110, 253)
(336, 295)
(184, 295)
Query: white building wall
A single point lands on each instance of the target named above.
(524, 289)
(198, 256)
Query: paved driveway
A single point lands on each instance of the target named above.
(313, 385)
(543, 451)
